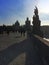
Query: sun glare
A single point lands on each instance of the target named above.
(43, 6)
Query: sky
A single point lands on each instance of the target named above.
(12, 10)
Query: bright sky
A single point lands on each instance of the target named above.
(12, 10)
(43, 6)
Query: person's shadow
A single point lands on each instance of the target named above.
(10, 53)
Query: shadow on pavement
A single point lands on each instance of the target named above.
(27, 46)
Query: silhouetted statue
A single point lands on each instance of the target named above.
(27, 23)
(17, 24)
(36, 23)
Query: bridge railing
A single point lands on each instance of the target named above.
(43, 48)
(42, 40)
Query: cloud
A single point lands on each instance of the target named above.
(43, 6)
(44, 16)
